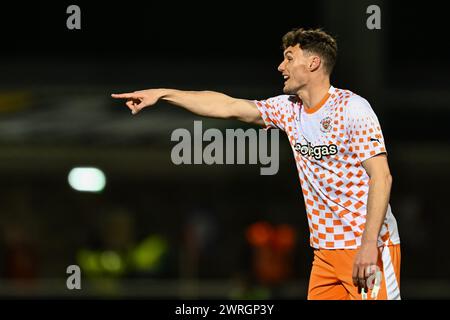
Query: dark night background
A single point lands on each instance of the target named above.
(187, 224)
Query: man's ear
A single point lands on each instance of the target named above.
(314, 63)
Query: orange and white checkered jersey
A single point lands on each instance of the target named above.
(330, 141)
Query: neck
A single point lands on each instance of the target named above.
(313, 92)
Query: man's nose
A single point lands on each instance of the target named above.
(281, 67)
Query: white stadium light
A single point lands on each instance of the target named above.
(87, 179)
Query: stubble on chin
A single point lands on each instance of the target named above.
(289, 91)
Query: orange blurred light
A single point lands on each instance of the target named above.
(259, 234)
(284, 237)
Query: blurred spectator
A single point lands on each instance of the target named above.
(20, 254)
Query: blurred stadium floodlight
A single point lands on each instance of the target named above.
(87, 179)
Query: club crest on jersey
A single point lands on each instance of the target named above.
(325, 124)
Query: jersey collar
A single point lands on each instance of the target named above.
(321, 102)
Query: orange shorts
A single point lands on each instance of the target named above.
(331, 275)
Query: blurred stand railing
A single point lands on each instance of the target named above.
(153, 289)
(191, 289)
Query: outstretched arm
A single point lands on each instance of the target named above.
(204, 103)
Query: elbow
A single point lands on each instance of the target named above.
(233, 110)
(385, 179)
(389, 179)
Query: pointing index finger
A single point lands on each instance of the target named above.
(123, 95)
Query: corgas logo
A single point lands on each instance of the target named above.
(318, 152)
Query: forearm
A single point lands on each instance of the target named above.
(204, 103)
(377, 203)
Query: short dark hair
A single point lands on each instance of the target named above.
(316, 41)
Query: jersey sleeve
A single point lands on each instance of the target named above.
(363, 129)
(275, 111)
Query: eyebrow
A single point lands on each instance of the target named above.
(289, 51)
